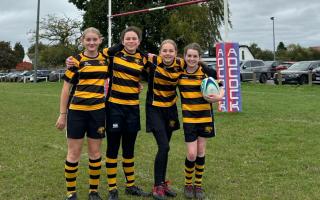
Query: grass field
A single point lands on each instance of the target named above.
(269, 151)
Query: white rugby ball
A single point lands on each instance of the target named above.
(209, 86)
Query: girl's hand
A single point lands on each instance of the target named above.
(215, 97)
(151, 55)
(70, 62)
(140, 87)
(61, 122)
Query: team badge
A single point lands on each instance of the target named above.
(101, 130)
(86, 63)
(172, 123)
(208, 129)
(137, 61)
(101, 62)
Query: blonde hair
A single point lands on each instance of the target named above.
(169, 41)
(91, 30)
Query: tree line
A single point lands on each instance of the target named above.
(292, 52)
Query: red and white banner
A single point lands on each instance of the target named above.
(228, 71)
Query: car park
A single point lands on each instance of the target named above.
(3, 76)
(271, 66)
(249, 68)
(56, 75)
(24, 76)
(297, 73)
(284, 65)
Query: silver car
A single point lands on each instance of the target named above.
(250, 67)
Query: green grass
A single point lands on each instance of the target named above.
(269, 151)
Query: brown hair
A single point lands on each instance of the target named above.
(194, 46)
(133, 29)
(170, 42)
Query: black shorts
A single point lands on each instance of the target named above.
(123, 118)
(81, 122)
(193, 131)
(159, 118)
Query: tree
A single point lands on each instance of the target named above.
(8, 59)
(181, 22)
(157, 26)
(57, 30)
(31, 51)
(52, 55)
(256, 51)
(19, 51)
(55, 55)
(281, 47)
(294, 52)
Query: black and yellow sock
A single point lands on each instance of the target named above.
(189, 170)
(128, 168)
(94, 173)
(199, 171)
(111, 170)
(70, 173)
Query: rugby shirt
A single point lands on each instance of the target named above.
(88, 78)
(163, 81)
(195, 109)
(126, 69)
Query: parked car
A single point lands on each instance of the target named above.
(25, 76)
(56, 74)
(249, 67)
(316, 75)
(297, 73)
(42, 75)
(210, 61)
(271, 66)
(3, 76)
(284, 65)
(12, 76)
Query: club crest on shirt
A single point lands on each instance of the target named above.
(101, 62)
(101, 130)
(172, 123)
(86, 64)
(137, 61)
(208, 129)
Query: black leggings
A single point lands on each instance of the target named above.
(160, 165)
(128, 142)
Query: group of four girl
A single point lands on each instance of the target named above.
(84, 111)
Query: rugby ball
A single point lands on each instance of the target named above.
(209, 86)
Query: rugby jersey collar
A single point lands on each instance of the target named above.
(83, 55)
(193, 71)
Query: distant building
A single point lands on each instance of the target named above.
(244, 51)
(27, 59)
(317, 48)
(26, 64)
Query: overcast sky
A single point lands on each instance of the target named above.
(296, 21)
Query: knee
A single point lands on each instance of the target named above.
(73, 156)
(94, 155)
(192, 156)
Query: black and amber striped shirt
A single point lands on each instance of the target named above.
(163, 81)
(195, 109)
(88, 76)
(126, 71)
